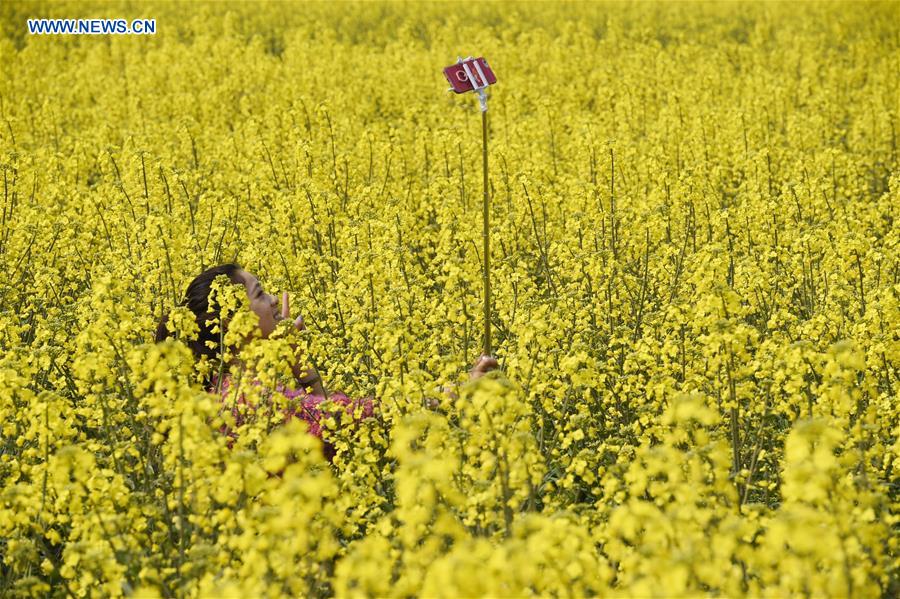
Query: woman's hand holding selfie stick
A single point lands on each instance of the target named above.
(308, 378)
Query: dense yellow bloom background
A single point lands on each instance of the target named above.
(695, 272)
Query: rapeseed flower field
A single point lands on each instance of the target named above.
(695, 300)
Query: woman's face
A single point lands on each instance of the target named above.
(265, 305)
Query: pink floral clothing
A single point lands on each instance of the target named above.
(303, 405)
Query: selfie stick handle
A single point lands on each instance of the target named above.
(485, 233)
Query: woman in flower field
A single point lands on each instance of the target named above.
(307, 393)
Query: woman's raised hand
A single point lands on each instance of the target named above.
(482, 366)
(307, 378)
(286, 312)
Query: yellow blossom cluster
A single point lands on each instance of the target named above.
(695, 300)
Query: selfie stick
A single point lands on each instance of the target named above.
(479, 84)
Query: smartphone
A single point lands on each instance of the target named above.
(459, 80)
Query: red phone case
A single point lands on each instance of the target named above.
(459, 81)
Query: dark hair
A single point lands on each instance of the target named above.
(196, 298)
